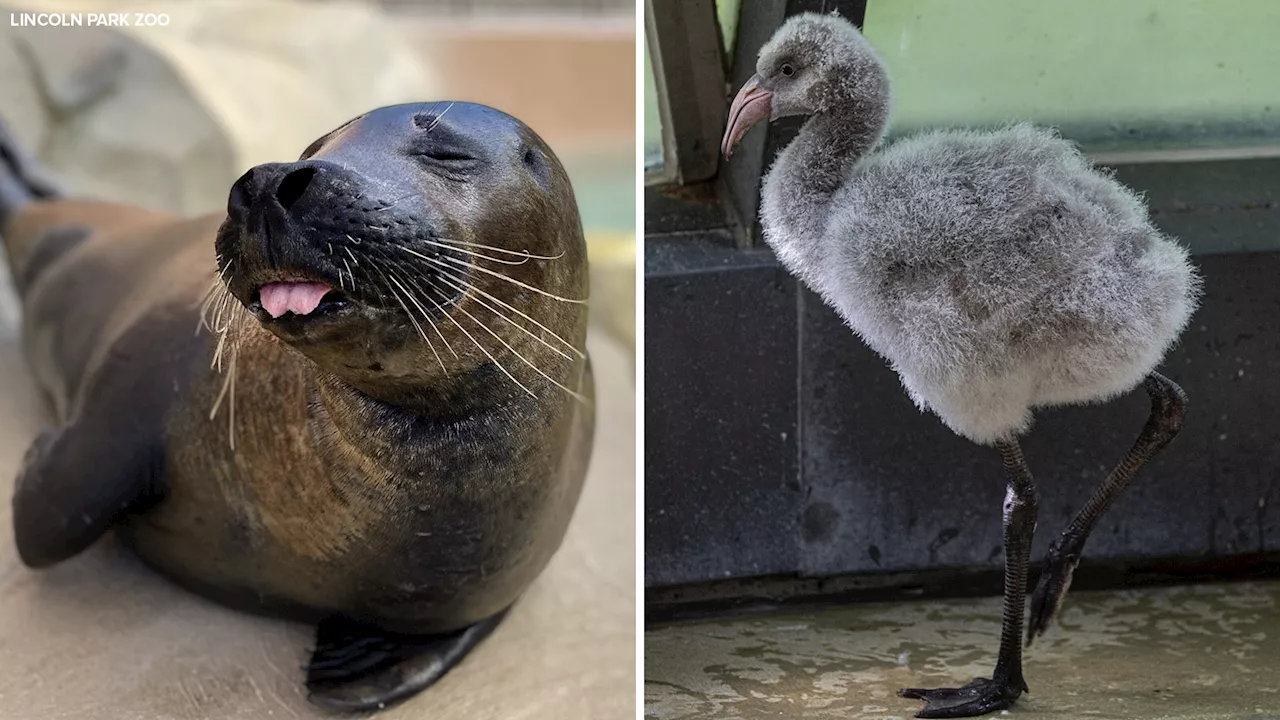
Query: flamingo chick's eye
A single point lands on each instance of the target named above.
(788, 70)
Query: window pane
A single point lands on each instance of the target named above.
(652, 116)
(1088, 67)
(727, 14)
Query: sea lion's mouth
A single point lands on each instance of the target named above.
(297, 300)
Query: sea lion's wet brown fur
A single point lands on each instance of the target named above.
(411, 487)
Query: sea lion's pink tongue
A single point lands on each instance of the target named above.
(299, 298)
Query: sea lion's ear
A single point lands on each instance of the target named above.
(536, 163)
(314, 147)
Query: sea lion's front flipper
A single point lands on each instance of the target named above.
(73, 486)
(357, 667)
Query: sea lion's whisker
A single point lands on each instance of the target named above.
(220, 312)
(226, 385)
(211, 302)
(438, 306)
(224, 335)
(206, 304)
(522, 358)
(393, 203)
(216, 364)
(421, 332)
(469, 252)
(440, 263)
(231, 379)
(353, 257)
(438, 118)
(228, 388)
(353, 276)
(354, 241)
(425, 314)
(469, 286)
(211, 296)
(212, 309)
(215, 317)
(514, 281)
(485, 350)
(495, 248)
(223, 320)
(524, 329)
(414, 320)
(488, 354)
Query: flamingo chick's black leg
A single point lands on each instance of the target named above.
(1168, 410)
(982, 695)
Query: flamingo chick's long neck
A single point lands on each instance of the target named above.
(795, 201)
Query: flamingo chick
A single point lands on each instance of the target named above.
(997, 272)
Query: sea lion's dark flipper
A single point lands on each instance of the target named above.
(72, 487)
(357, 667)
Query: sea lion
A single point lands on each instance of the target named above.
(381, 426)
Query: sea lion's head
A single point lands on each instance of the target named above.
(414, 246)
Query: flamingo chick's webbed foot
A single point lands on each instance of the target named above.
(977, 698)
(1168, 411)
(1055, 579)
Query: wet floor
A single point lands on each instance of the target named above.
(1203, 652)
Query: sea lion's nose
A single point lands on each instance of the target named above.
(273, 202)
(284, 185)
(242, 194)
(294, 185)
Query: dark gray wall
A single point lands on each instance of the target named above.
(776, 442)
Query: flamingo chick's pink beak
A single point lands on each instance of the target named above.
(751, 105)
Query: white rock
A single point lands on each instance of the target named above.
(189, 107)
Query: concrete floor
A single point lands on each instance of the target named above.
(1203, 652)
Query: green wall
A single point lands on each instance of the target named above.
(1112, 74)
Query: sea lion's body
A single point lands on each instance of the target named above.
(399, 497)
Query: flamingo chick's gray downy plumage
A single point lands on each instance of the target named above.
(996, 271)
